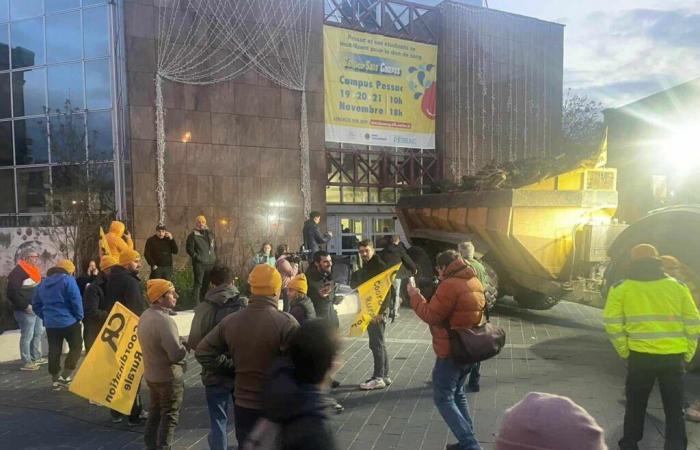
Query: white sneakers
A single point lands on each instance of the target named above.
(372, 384)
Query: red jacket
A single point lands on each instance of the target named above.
(459, 297)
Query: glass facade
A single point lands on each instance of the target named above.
(56, 109)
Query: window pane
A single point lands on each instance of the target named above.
(68, 138)
(102, 187)
(60, 5)
(96, 32)
(28, 88)
(34, 221)
(4, 10)
(5, 110)
(93, 2)
(100, 145)
(21, 9)
(7, 191)
(65, 87)
(6, 144)
(97, 83)
(27, 43)
(4, 47)
(31, 143)
(63, 37)
(8, 221)
(70, 186)
(33, 189)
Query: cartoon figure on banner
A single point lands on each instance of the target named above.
(423, 85)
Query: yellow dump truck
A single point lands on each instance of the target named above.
(546, 242)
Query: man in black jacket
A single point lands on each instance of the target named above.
(321, 286)
(94, 300)
(313, 238)
(159, 252)
(124, 286)
(373, 265)
(201, 248)
(395, 253)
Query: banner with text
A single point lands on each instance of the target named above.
(112, 370)
(378, 90)
(372, 295)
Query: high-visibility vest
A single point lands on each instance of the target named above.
(657, 317)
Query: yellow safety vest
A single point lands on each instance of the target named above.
(657, 317)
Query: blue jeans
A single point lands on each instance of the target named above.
(219, 398)
(451, 400)
(31, 329)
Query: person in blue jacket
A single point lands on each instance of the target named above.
(58, 303)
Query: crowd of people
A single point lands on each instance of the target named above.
(270, 355)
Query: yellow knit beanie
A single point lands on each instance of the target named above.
(202, 219)
(157, 288)
(127, 256)
(67, 265)
(299, 284)
(108, 261)
(265, 280)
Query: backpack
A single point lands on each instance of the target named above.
(266, 435)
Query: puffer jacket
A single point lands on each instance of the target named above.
(115, 239)
(459, 299)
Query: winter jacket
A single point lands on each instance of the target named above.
(369, 270)
(124, 286)
(115, 239)
(650, 312)
(83, 281)
(57, 300)
(394, 254)
(219, 302)
(299, 409)
(200, 247)
(287, 269)
(159, 252)
(302, 308)
(163, 352)
(21, 286)
(459, 300)
(254, 338)
(95, 317)
(313, 238)
(322, 305)
(261, 258)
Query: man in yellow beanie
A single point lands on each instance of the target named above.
(653, 323)
(300, 305)
(94, 302)
(164, 367)
(124, 286)
(200, 246)
(251, 358)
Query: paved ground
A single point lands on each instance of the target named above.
(563, 351)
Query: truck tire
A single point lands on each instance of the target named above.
(535, 300)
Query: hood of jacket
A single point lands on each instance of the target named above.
(54, 277)
(285, 399)
(459, 269)
(117, 228)
(219, 295)
(646, 269)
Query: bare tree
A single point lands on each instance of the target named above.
(582, 122)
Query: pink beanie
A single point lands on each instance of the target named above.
(549, 422)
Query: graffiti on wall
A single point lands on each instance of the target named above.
(47, 242)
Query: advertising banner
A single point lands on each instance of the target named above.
(378, 90)
(372, 295)
(112, 370)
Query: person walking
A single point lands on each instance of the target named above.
(159, 251)
(164, 364)
(653, 323)
(373, 265)
(249, 341)
(394, 253)
(301, 306)
(94, 300)
(57, 302)
(313, 238)
(21, 285)
(220, 301)
(457, 303)
(200, 247)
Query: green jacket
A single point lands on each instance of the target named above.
(200, 247)
(481, 273)
(649, 312)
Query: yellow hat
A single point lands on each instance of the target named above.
(644, 251)
(108, 261)
(67, 265)
(157, 288)
(299, 284)
(127, 256)
(202, 219)
(265, 280)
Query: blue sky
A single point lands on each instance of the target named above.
(618, 51)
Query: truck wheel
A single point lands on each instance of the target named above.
(535, 300)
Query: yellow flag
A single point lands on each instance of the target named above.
(372, 294)
(104, 245)
(112, 370)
